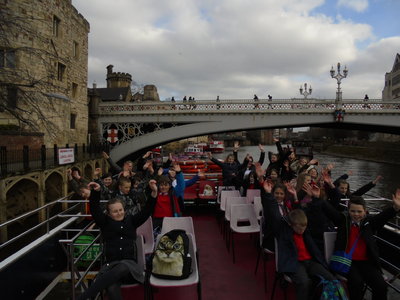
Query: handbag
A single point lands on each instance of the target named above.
(341, 261)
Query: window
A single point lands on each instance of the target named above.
(12, 93)
(56, 26)
(60, 71)
(74, 90)
(7, 58)
(75, 50)
(72, 121)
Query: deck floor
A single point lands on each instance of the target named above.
(220, 277)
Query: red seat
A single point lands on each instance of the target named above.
(191, 192)
(210, 190)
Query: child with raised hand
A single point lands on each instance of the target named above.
(299, 257)
(357, 227)
(119, 235)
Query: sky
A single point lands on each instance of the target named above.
(238, 48)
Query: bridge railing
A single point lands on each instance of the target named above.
(246, 105)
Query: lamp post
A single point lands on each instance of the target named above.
(305, 93)
(339, 78)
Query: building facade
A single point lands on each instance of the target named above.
(43, 71)
(391, 90)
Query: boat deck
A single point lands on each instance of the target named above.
(220, 277)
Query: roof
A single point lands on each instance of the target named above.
(113, 94)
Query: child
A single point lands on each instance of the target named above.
(299, 257)
(119, 234)
(167, 204)
(124, 193)
(365, 267)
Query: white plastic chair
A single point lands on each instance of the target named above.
(279, 275)
(223, 188)
(225, 195)
(229, 202)
(193, 279)
(184, 223)
(251, 193)
(242, 213)
(146, 230)
(329, 244)
(265, 253)
(141, 261)
(258, 208)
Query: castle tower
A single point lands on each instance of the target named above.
(117, 79)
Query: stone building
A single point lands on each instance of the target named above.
(391, 90)
(118, 89)
(43, 72)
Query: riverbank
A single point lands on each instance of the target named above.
(376, 152)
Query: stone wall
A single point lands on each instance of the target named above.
(51, 50)
(15, 140)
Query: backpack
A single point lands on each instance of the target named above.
(332, 290)
(171, 258)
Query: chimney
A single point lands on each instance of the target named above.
(110, 69)
(94, 85)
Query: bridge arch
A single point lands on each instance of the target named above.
(172, 121)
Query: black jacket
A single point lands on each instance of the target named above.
(119, 236)
(369, 226)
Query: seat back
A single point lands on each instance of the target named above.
(146, 230)
(225, 195)
(232, 201)
(141, 260)
(211, 192)
(191, 192)
(243, 212)
(329, 244)
(184, 223)
(223, 188)
(251, 193)
(258, 208)
(194, 276)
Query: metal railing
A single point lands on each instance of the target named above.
(246, 105)
(26, 159)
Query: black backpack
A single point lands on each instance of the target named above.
(171, 258)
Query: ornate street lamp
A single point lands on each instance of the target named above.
(339, 78)
(305, 93)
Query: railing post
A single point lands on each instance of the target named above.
(25, 157)
(43, 156)
(77, 152)
(3, 161)
(55, 155)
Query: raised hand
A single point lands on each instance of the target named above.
(396, 199)
(160, 171)
(153, 187)
(267, 185)
(105, 155)
(377, 179)
(147, 154)
(236, 146)
(261, 147)
(259, 170)
(94, 186)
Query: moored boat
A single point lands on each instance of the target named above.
(216, 146)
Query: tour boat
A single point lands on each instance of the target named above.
(216, 146)
(193, 150)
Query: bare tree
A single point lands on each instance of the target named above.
(29, 91)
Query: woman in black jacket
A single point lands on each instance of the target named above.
(119, 235)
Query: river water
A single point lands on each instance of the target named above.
(363, 171)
